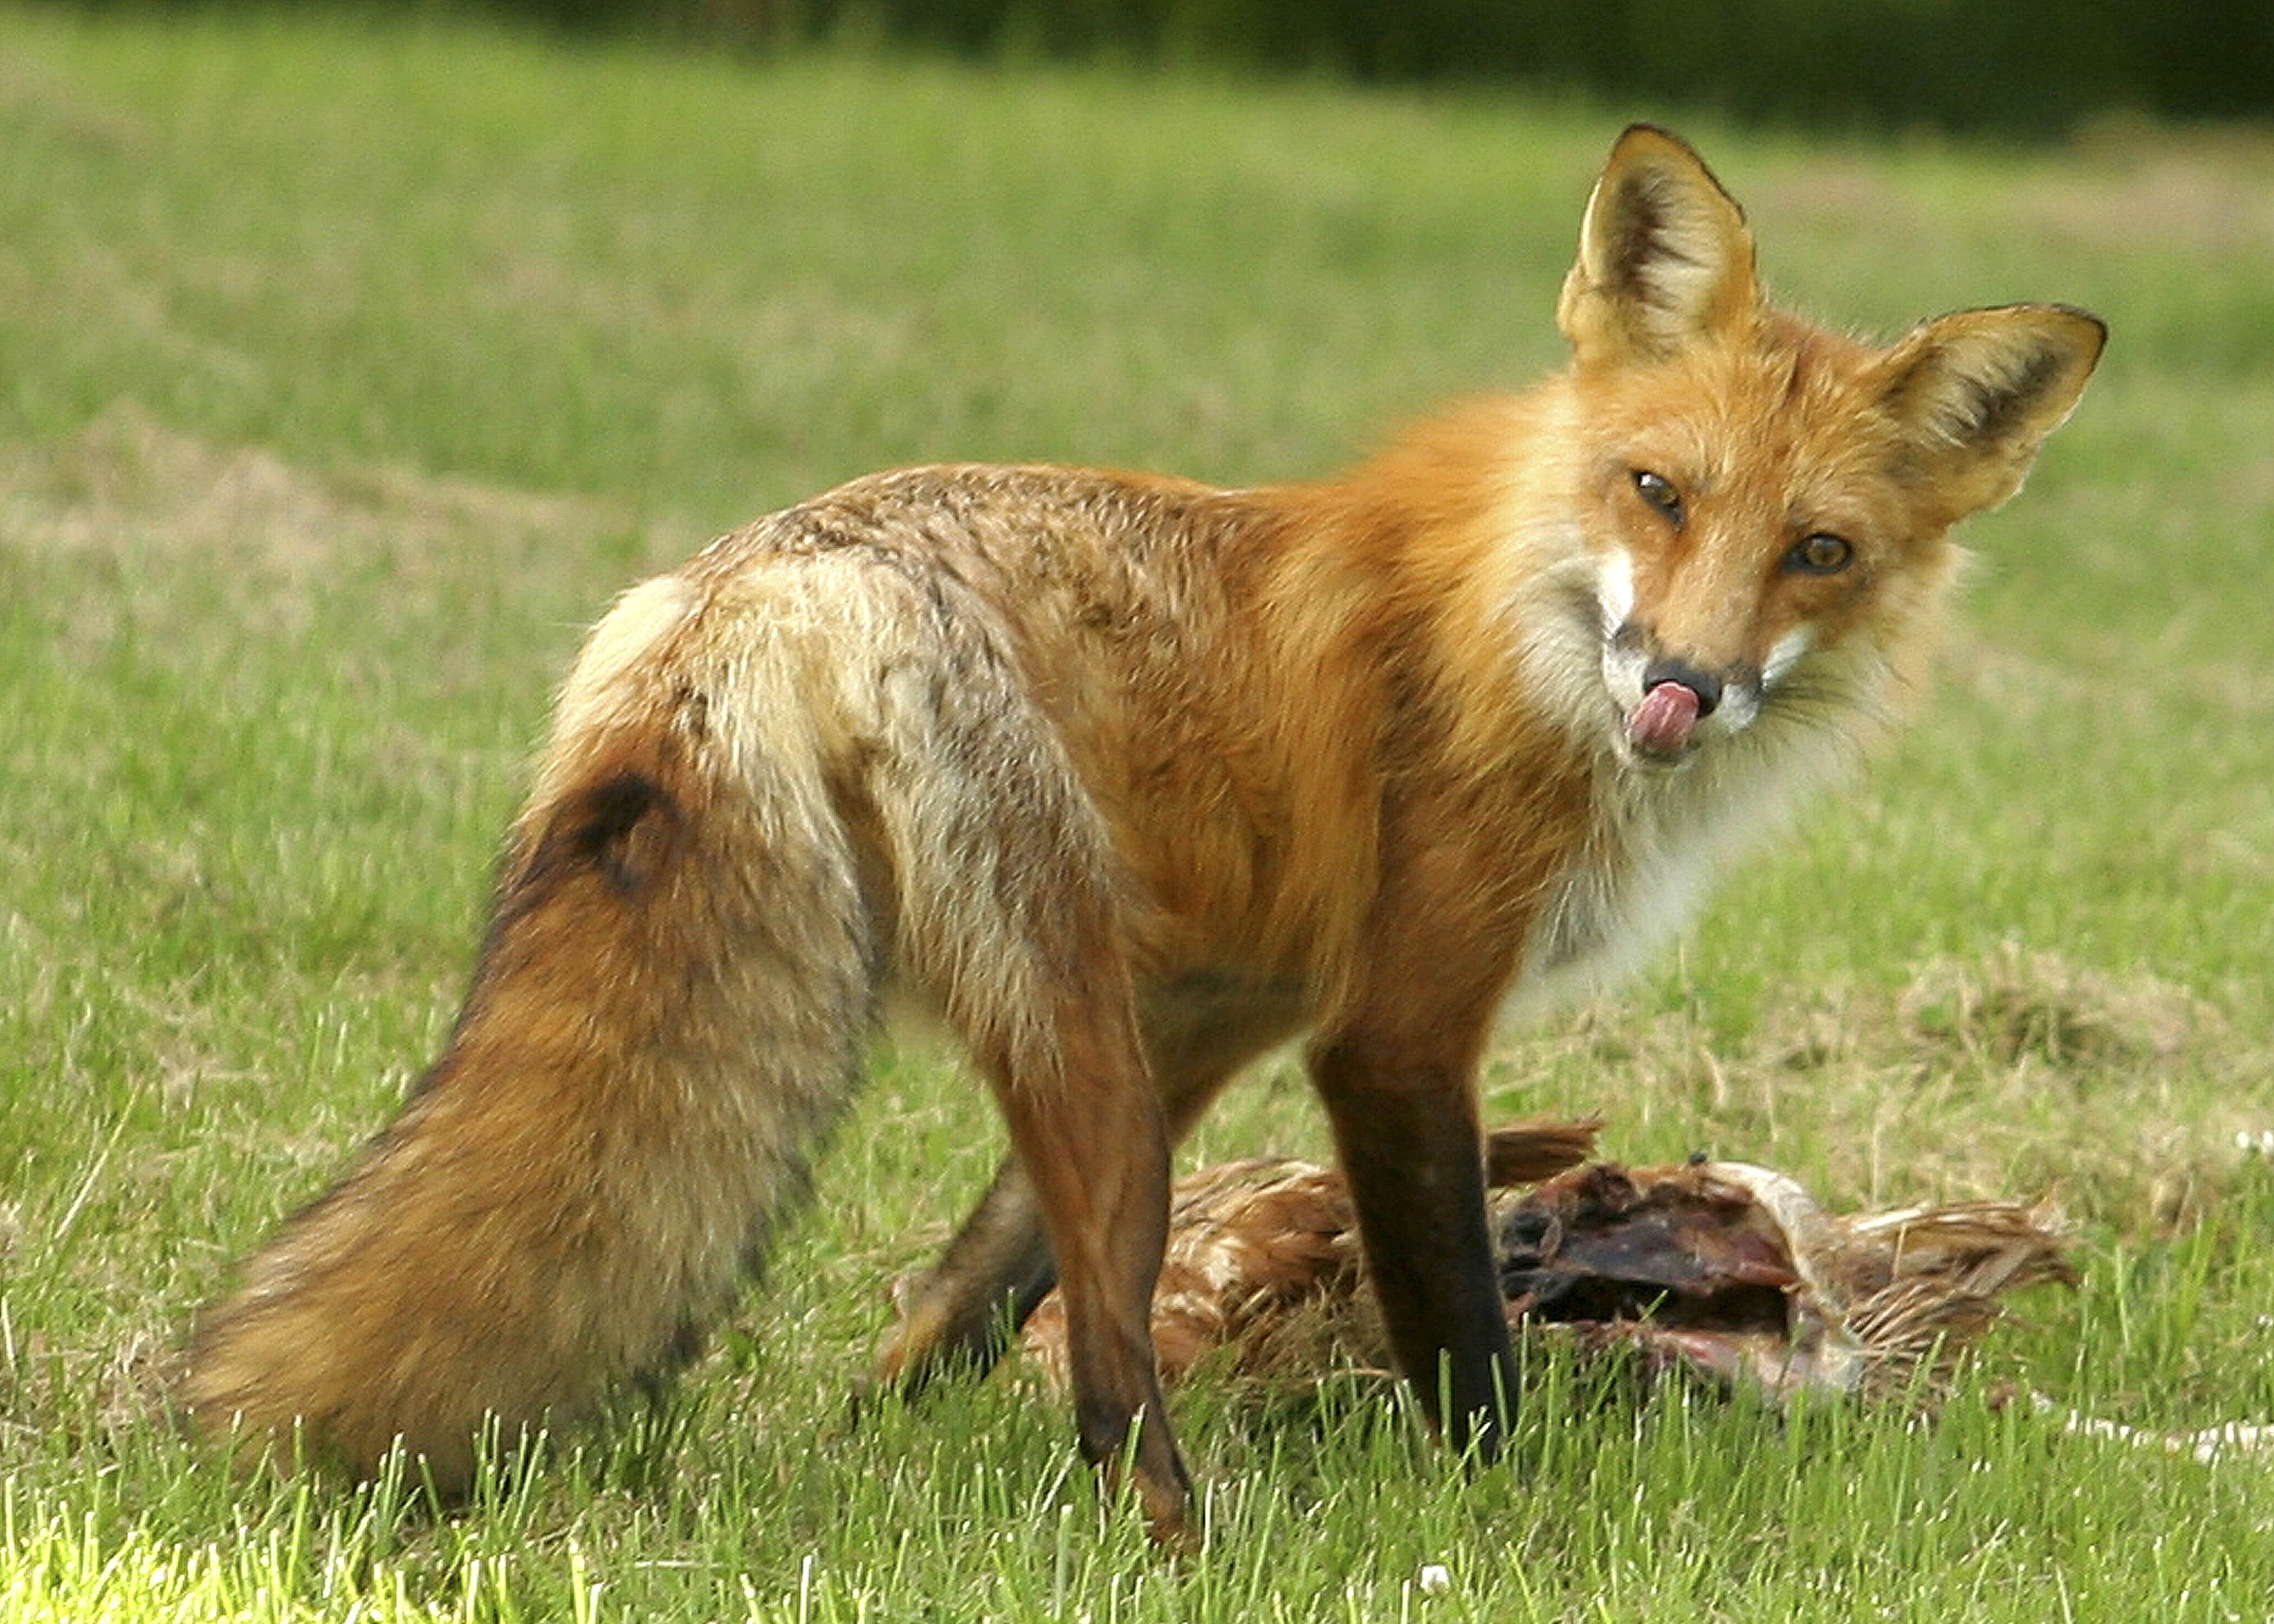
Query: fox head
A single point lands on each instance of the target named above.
(1767, 503)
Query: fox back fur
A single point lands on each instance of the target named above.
(1133, 779)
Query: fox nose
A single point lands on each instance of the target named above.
(1704, 684)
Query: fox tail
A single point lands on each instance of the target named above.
(667, 1012)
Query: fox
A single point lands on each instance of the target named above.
(1131, 781)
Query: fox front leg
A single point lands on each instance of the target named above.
(1395, 1067)
(1405, 1129)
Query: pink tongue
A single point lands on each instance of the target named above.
(1660, 725)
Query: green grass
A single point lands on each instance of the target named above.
(347, 370)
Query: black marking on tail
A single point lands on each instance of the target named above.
(622, 827)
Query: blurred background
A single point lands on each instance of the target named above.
(2030, 68)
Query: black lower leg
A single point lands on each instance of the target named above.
(1416, 1174)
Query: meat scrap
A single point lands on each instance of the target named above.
(1720, 1269)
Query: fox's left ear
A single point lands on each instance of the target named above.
(1976, 394)
(1665, 255)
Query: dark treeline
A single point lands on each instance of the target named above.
(2012, 66)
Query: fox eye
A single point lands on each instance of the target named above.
(1658, 491)
(1821, 554)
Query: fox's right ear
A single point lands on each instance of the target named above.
(1665, 254)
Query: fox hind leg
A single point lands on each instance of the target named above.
(1096, 1160)
(1007, 910)
(962, 1315)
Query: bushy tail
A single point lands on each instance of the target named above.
(667, 1012)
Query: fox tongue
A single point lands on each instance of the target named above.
(1660, 725)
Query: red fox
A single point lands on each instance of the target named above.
(1133, 779)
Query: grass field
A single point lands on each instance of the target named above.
(347, 371)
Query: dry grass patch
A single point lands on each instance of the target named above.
(131, 487)
(2206, 191)
(2018, 1074)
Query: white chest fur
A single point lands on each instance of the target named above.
(1660, 839)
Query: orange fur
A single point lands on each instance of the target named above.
(1133, 779)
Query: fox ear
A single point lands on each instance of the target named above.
(1976, 394)
(1665, 254)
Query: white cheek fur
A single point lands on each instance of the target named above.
(1622, 663)
(1786, 654)
(1615, 588)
